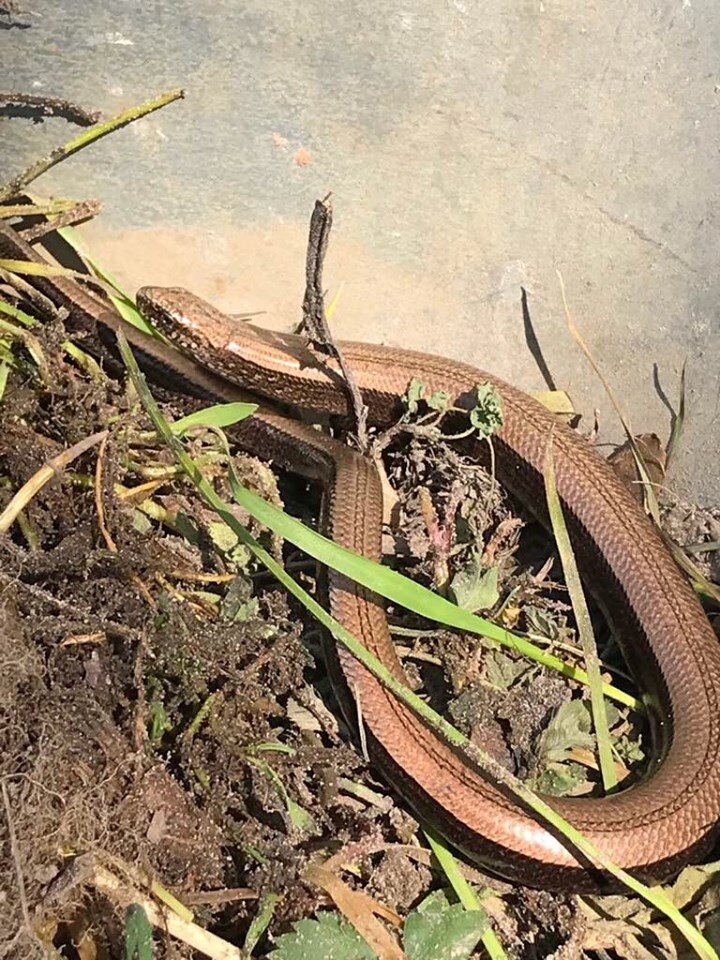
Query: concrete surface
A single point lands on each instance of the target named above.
(471, 148)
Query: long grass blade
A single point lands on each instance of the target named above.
(584, 625)
(464, 892)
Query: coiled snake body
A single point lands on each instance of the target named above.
(653, 828)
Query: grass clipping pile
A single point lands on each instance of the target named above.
(164, 706)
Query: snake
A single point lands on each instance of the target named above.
(666, 819)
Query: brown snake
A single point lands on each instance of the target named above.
(653, 828)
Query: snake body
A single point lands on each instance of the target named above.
(653, 828)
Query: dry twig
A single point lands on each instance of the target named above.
(315, 323)
(37, 107)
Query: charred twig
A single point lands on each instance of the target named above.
(314, 319)
(37, 108)
(315, 323)
(25, 207)
(38, 300)
(84, 210)
(18, 184)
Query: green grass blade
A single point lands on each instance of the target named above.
(220, 415)
(464, 892)
(17, 314)
(403, 591)
(584, 625)
(260, 921)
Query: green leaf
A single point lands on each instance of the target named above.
(466, 894)
(222, 536)
(328, 937)
(629, 750)
(138, 934)
(414, 394)
(486, 416)
(440, 930)
(501, 670)
(570, 727)
(300, 818)
(475, 587)
(239, 604)
(261, 921)
(140, 522)
(612, 714)
(220, 415)
(560, 779)
(541, 623)
(159, 721)
(438, 400)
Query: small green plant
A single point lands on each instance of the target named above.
(138, 934)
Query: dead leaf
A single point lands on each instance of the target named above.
(500, 539)
(587, 758)
(693, 882)
(621, 938)
(360, 910)
(653, 454)
(278, 140)
(82, 638)
(510, 615)
(158, 826)
(556, 401)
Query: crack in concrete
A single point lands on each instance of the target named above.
(579, 191)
